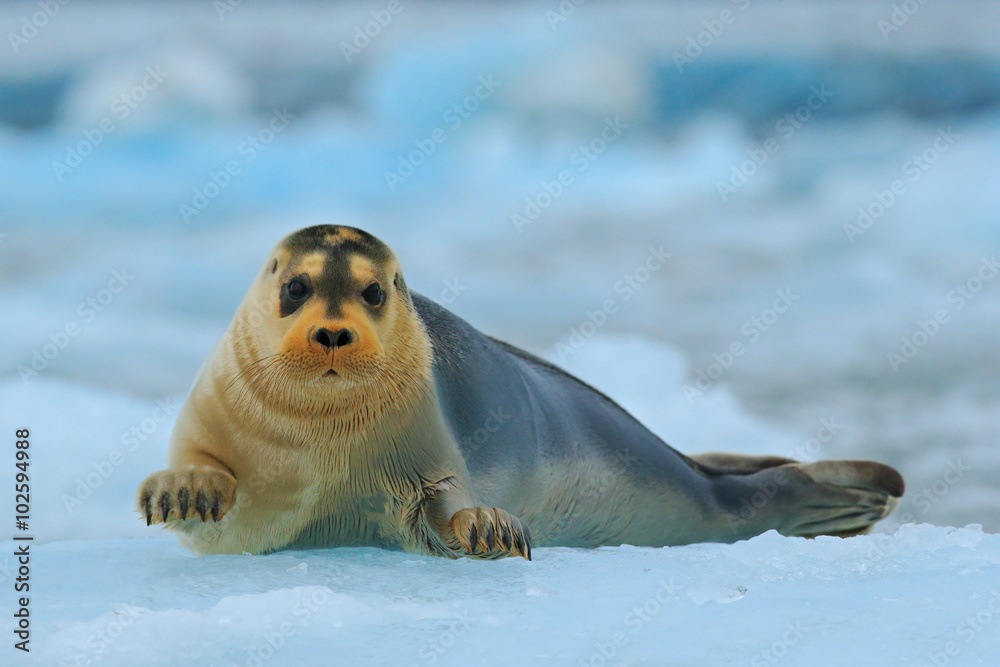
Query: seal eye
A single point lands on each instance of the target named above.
(374, 295)
(297, 289)
(294, 293)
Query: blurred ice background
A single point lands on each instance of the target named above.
(115, 117)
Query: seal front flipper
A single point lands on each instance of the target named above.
(196, 492)
(489, 533)
(486, 533)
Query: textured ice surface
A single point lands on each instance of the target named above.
(902, 599)
(101, 593)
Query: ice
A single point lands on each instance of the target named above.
(89, 451)
(130, 595)
(175, 82)
(907, 598)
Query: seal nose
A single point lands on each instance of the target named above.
(333, 340)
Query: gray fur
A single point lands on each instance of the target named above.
(582, 472)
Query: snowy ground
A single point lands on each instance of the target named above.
(918, 105)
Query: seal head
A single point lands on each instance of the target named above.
(342, 331)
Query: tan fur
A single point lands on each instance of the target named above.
(280, 446)
(313, 263)
(343, 234)
(363, 269)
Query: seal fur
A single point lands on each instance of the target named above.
(338, 419)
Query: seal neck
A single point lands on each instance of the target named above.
(396, 388)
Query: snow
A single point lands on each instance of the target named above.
(101, 408)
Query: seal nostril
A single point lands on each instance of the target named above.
(323, 338)
(331, 340)
(344, 338)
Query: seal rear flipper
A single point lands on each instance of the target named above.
(840, 498)
(739, 464)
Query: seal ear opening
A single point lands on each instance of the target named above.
(399, 283)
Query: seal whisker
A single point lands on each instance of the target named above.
(253, 368)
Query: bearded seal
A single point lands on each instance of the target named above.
(343, 409)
